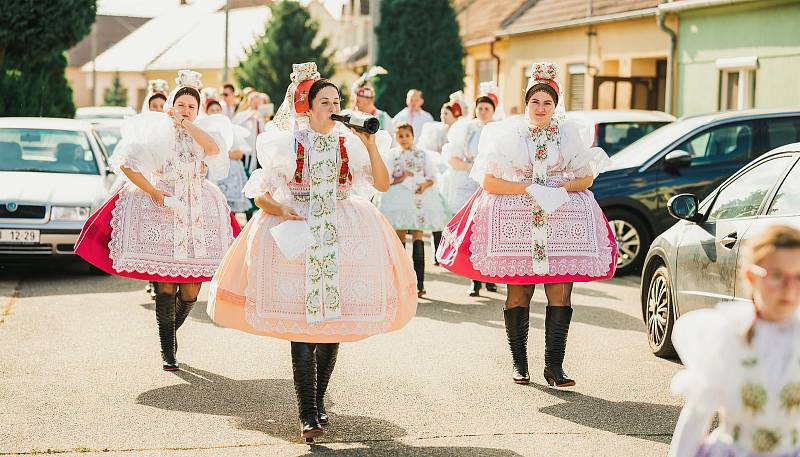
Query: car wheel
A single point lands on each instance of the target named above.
(659, 313)
(633, 240)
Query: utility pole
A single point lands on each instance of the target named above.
(375, 15)
(93, 45)
(225, 67)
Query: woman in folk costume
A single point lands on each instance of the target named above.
(534, 220)
(168, 224)
(412, 203)
(433, 138)
(459, 153)
(234, 182)
(156, 96)
(350, 280)
(741, 360)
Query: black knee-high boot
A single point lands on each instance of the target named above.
(326, 359)
(305, 386)
(437, 238)
(418, 255)
(475, 291)
(165, 316)
(556, 327)
(517, 324)
(182, 311)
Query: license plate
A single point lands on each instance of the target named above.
(15, 236)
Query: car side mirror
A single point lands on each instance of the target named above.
(678, 159)
(684, 206)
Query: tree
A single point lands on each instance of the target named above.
(34, 29)
(420, 46)
(37, 89)
(291, 37)
(117, 95)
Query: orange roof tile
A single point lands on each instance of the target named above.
(479, 19)
(543, 12)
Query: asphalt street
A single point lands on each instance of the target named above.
(80, 374)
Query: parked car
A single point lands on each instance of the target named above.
(55, 174)
(110, 133)
(616, 129)
(691, 155)
(97, 113)
(694, 264)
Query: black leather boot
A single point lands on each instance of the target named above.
(491, 287)
(437, 238)
(418, 255)
(326, 359)
(151, 288)
(165, 316)
(305, 386)
(475, 291)
(517, 324)
(556, 327)
(182, 311)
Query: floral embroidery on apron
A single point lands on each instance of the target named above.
(188, 179)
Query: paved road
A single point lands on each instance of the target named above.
(80, 375)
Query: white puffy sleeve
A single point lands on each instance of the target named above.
(219, 128)
(277, 155)
(456, 140)
(431, 166)
(502, 151)
(147, 141)
(359, 161)
(580, 157)
(433, 136)
(240, 142)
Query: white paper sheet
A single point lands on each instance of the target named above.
(292, 237)
(548, 198)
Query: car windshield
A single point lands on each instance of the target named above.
(47, 151)
(615, 136)
(110, 135)
(641, 150)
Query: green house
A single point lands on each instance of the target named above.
(736, 54)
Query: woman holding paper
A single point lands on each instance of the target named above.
(168, 224)
(534, 221)
(318, 264)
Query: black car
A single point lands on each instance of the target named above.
(691, 155)
(694, 263)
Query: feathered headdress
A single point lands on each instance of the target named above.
(362, 87)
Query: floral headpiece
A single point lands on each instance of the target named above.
(489, 89)
(303, 76)
(189, 78)
(158, 86)
(362, 87)
(544, 73)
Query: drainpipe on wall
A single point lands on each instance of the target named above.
(673, 38)
(497, 60)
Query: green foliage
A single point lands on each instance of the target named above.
(420, 46)
(290, 38)
(116, 95)
(37, 89)
(34, 29)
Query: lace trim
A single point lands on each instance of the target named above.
(486, 256)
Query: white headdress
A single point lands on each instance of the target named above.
(490, 89)
(302, 77)
(186, 78)
(364, 83)
(154, 86)
(457, 98)
(547, 73)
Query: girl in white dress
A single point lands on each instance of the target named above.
(742, 360)
(412, 203)
(233, 184)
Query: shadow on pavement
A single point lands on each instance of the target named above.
(67, 278)
(647, 421)
(269, 406)
(198, 313)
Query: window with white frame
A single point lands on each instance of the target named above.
(737, 77)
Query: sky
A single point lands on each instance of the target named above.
(152, 8)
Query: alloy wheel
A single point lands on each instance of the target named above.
(629, 242)
(657, 309)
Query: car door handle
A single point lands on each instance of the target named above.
(729, 241)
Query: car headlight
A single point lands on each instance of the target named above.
(70, 213)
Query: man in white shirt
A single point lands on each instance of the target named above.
(365, 103)
(229, 101)
(413, 112)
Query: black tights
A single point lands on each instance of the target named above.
(559, 294)
(186, 291)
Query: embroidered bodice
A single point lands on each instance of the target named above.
(307, 144)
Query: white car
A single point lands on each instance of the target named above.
(101, 113)
(616, 129)
(54, 174)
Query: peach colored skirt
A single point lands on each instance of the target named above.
(256, 289)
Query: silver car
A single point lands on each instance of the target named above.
(53, 174)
